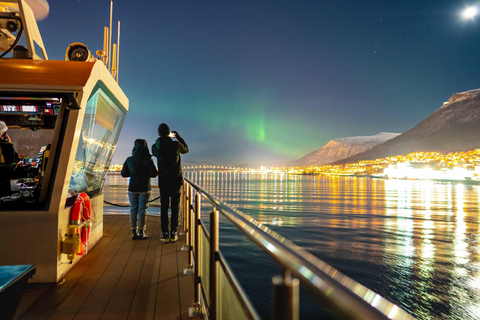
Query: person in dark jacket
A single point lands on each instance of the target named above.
(140, 168)
(170, 178)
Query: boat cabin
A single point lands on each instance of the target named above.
(63, 120)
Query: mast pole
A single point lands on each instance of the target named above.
(118, 47)
(110, 37)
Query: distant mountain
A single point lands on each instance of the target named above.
(455, 126)
(342, 148)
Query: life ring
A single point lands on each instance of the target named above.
(81, 215)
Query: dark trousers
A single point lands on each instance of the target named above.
(169, 197)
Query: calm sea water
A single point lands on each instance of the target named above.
(416, 243)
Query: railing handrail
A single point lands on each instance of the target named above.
(343, 294)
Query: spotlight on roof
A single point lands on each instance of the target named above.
(78, 52)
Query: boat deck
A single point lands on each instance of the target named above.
(118, 279)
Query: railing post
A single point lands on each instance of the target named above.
(190, 223)
(182, 213)
(196, 309)
(213, 263)
(285, 297)
(186, 222)
(188, 236)
(198, 208)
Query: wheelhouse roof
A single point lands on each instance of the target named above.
(57, 76)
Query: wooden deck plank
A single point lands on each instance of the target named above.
(36, 291)
(119, 304)
(109, 222)
(78, 295)
(106, 275)
(167, 303)
(185, 281)
(56, 293)
(143, 304)
(119, 279)
(30, 297)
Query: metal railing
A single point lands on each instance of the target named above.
(215, 283)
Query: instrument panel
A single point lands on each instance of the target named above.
(47, 108)
(29, 112)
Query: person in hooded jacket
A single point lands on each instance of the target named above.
(140, 168)
(170, 178)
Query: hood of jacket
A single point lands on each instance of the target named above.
(140, 149)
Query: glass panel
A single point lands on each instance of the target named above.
(25, 150)
(230, 306)
(100, 130)
(204, 270)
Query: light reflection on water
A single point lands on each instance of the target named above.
(417, 243)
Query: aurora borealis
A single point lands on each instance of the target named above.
(263, 81)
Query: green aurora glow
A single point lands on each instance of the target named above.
(256, 121)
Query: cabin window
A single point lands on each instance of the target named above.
(99, 134)
(26, 150)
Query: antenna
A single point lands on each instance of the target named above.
(110, 36)
(108, 56)
(118, 47)
(114, 60)
(105, 45)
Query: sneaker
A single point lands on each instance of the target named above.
(142, 235)
(173, 236)
(165, 237)
(135, 235)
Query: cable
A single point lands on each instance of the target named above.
(121, 205)
(114, 204)
(17, 39)
(154, 199)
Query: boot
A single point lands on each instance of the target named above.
(135, 235)
(142, 234)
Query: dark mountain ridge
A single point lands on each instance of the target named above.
(453, 127)
(342, 148)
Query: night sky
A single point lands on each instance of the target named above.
(263, 81)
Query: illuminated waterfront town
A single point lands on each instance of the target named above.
(418, 165)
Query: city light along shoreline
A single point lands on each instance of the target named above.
(454, 166)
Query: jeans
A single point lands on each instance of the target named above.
(169, 197)
(138, 209)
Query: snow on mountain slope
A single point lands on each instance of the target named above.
(453, 127)
(341, 148)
